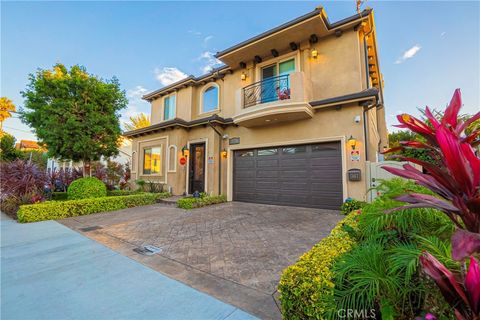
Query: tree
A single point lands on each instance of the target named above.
(394, 140)
(74, 113)
(7, 148)
(141, 120)
(6, 109)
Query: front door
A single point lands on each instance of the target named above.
(196, 175)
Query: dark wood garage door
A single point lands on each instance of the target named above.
(303, 175)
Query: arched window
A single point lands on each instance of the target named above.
(210, 99)
(172, 158)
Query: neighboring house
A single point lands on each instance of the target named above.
(124, 157)
(274, 124)
(28, 145)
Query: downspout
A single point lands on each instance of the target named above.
(220, 136)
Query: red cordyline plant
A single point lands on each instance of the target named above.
(455, 178)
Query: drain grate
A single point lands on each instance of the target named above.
(148, 250)
(86, 229)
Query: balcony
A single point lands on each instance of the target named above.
(273, 100)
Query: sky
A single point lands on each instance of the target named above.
(427, 49)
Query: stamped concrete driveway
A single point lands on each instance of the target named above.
(233, 251)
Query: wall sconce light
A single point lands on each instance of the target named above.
(185, 151)
(224, 154)
(352, 142)
(243, 76)
(314, 53)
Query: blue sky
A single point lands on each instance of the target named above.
(427, 49)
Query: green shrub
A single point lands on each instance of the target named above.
(85, 188)
(306, 288)
(122, 192)
(204, 200)
(59, 196)
(51, 210)
(351, 204)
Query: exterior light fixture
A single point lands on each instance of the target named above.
(314, 53)
(352, 142)
(224, 154)
(185, 151)
(243, 76)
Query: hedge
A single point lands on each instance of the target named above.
(59, 195)
(306, 288)
(191, 203)
(122, 192)
(51, 210)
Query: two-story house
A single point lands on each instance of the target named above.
(283, 122)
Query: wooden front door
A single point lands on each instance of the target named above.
(196, 175)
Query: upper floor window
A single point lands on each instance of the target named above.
(169, 107)
(210, 99)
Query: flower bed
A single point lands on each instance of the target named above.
(204, 200)
(52, 210)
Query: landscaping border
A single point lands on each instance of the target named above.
(52, 210)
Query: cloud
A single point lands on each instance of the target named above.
(410, 53)
(136, 104)
(194, 32)
(169, 75)
(208, 61)
(443, 34)
(206, 39)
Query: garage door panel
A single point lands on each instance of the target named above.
(306, 175)
(267, 163)
(267, 174)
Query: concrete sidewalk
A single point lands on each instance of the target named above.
(51, 272)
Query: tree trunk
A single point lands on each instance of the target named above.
(86, 168)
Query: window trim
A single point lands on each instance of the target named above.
(174, 147)
(159, 174)
(202, 92)
(174, 106)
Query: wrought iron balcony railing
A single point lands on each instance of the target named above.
(268, 90)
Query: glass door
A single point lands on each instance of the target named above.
(268, 90)
(285, 68)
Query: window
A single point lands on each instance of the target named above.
(169, 107)
(152, 160)
(172, 158)
(246, 153)
(210, 99)
(267, 152)
(294, 150)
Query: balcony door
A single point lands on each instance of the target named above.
(268, 83)
(275, 87)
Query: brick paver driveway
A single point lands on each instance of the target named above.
(233, 251)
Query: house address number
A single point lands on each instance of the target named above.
(235, 140)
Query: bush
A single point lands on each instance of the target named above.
(85, 188)
(204, 200)
(51, 210)
(122, 192)
(306, 288)
(351, 204)
(22, 182)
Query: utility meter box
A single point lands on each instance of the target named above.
(354, 175)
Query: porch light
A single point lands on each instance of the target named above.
(243, 76)
(314, 53)
(352, 142)
(185, 151)
(224, 154)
